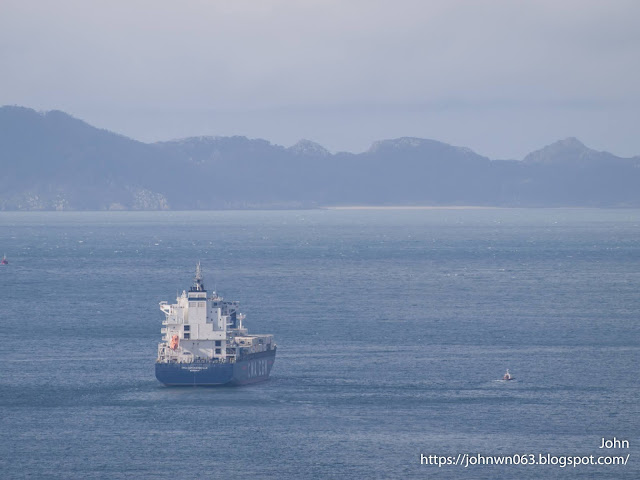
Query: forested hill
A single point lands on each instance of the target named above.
(52, 161)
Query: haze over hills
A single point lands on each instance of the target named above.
(52, 161)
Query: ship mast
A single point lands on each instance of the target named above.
(198, 285)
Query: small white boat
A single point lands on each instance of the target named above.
(507, 376)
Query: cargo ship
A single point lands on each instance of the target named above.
(205, 342)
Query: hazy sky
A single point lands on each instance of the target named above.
(502, 77)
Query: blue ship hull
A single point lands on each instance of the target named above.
(251, 368)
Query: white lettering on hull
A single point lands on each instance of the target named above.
(198, 368)
(257, 368)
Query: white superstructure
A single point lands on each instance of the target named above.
(198, 328)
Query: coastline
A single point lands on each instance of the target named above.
(413, 207)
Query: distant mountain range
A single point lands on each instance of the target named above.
(52, 161)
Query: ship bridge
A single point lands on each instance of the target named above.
(197, 327)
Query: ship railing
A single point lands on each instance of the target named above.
(202, 361)
(165, 358)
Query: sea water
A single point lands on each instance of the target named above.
(394, 328)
